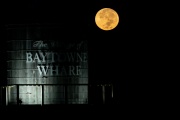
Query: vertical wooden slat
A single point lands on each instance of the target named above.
(42, 95)
(18, 95)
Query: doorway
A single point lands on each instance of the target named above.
(24, 95)
(30, 95)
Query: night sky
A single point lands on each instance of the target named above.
(112, 54)
(135, 56)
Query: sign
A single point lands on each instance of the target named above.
(59, 62)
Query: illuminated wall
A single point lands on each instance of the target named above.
(46, 66)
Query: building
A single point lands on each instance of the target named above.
(47, 67)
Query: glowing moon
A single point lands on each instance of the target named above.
(106, 19)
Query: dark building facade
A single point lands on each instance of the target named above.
(44, 66)
(47, 67)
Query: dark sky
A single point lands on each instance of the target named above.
(137, 50)
(111, 53)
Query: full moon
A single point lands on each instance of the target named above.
(106, 19)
